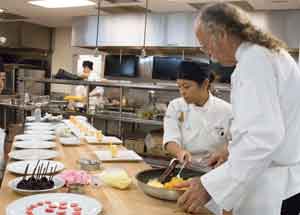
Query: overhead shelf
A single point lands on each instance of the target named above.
(109, 83)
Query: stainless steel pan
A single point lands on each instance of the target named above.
(161, 193)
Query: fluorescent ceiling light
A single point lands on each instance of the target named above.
(62, 3)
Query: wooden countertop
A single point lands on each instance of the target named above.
(115, 202)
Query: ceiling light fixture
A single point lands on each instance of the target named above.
(1, 10)
(2, 40)
(62, 3)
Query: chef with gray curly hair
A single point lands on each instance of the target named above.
(262, 171)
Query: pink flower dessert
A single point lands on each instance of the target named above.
(75, 177)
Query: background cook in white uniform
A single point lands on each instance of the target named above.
(197, 122)
(96, 95)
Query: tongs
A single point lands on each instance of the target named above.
(169, 172)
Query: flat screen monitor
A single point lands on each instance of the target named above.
(223, 73)
(165, 68)
(126, 66)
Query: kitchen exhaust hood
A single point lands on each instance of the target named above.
(23, 35)
(171, 30)
(127, 30)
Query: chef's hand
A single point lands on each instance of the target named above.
(195, 197)
(218, 157)
(184, 156)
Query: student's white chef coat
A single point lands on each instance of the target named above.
(82, 90)
(263, 167)
(197, 129)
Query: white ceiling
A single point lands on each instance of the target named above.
(63, 17)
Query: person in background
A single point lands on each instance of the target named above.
(196, 123)
(96, 95)
(87, 73)
(2, 76)
(263, 165)
(2, 132)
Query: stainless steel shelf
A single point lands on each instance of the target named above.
(18, 107)
(124, 84)
(122, 118)
(121, 84)
(113, 116)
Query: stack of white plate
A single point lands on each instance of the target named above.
(33, 154)
(34, 144)
(26, 137)
(19, 167)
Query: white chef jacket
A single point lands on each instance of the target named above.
(197, 129)
(82, 90)
(263, 167)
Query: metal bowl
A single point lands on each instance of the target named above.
(162, 193)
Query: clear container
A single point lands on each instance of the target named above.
(38, 113)
(89, 164)
(149, 111)
(26, 98)
(76, 188)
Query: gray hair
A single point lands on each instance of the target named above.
(218, 17)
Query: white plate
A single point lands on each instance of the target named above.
(88, 205)
(58, 183)
(105, 140)
(122, 155)
(38, 124)
(81, 118)
(34, 144)
(33, 154)
(18, 167)
(39, 131)
(41, 127)
(35, 137)
(76, 130)
(70, 141)
(30, 118)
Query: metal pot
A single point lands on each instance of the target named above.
(162, 193)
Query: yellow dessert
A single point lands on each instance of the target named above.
(168, 185)
(155, 183)
(74, 98)
(113, 149)
(174, 181)
(116, 178)
(99, 135)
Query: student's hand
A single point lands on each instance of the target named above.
(184, 156)
(218, 157)
(194, 198)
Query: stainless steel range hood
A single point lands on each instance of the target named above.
(172, 29)
(163, 30)
(23, 35)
